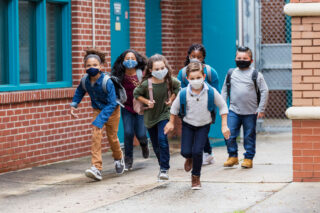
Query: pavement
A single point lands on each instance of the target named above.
(267, 187)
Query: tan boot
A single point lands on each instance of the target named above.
(247, 163)
(188, 164)
(231, 162)
(195, 182)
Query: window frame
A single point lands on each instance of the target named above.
(41, 50)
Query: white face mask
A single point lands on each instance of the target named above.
(197, 83)
(160, 74)
(194, 60)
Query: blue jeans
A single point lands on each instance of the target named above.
(207, 147)
(133, 125)
(160, 144)
(249, 129)
(193, 140)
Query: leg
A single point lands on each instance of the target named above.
(234, 124)
(249, 129)
(207, 147)
(96, 159)
(128, 126)
(187, 139)
(201, 135)
(153, 132)
(140, 130)
(164, 146)
(112, 129)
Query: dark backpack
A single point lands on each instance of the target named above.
(254, 79)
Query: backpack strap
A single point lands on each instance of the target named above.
(83, 82)
(209, 73)
(184, 74)
(139, 74)
(211, 105)
(254, 79)
(183, 102)
(150, 89)
(104, 83)
(228, 81)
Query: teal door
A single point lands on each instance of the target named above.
(219, 31)
(120, 36)
(153, 27)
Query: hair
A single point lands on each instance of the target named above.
(119, 69)
(99, 53)
(155, 58)
(195, 47)
(245, 50)
(194, 67)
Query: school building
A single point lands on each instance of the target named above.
(41, 63)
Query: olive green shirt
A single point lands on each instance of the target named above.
(160, 111)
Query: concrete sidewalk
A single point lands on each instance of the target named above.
(62, 187)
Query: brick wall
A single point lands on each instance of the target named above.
(35, 126)
(138, 26)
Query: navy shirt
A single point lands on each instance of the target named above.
(104, 101)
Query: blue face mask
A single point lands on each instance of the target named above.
(130, 64)
(93, 71)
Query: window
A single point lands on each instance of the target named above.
(38, 53)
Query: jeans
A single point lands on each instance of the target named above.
(249, 128)
(193, 140)
(133, 125)
(207, 147)
(160, 144)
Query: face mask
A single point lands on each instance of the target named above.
(194, 60)
(130, 64)
(93, 71)
(160, 74)
(243, 64)
(197, 83)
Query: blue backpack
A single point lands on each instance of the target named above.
(211, 105)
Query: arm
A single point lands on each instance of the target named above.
(139, 93)
(175, 108)
(223, 108)
(224, 126)
(224, 92)
(78, 95)
(179, 77)
(104, 115)
(264, 95)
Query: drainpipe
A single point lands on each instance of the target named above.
(93, 25)
(240, 22)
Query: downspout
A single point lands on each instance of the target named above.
(93, 25)
(240, 22)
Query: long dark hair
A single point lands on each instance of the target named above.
(119, 70)
(151, 60)
(195, 47)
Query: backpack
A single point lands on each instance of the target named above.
(138, 106)
(254, 79)
(184, 74)
(211, 105)
(120, 91)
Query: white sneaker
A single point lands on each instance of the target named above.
(207, 159)
(119, 166)
(163, 175)
(93, 173)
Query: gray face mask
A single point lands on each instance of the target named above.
(194, 60)
(160, 74)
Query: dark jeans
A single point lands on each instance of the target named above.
(160, 144)
(207, 147)
(193, 140)
(249, 128)
(133, 125)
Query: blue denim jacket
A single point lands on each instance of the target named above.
(106, 102)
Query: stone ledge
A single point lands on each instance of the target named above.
(302, 9)
(303, 113)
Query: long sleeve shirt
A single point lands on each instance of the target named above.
(104, 101)
(243, 96)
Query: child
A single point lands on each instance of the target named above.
(106, 112)
(248, 94)
(128, 69)
(197, 53)
(164, 88)
(195, 104)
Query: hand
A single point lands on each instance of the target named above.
(261, 115)
(73, 114)
(226, 132)
(151, 104)
(168, 128)
(169, 102)
(97, 129)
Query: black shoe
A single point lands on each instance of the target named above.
(128, 163)
(145, 151)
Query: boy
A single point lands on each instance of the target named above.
(248, 94)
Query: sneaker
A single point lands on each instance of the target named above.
(163, 175)
(119, 166)
(195, 182)
(207, 159)
(128, 163)
(145, 151)
(93, 173)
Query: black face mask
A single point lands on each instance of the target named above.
(93, 71)
(243, 64)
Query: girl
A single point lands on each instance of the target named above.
(128, 69)
(195, 105)
(106, 112)
(197, 53)
(164, 88)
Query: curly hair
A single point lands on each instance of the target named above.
(154, 58)
(119, 70)
(195, 47)
(99, 53)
